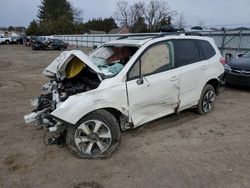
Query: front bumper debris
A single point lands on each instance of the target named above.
(34, 116)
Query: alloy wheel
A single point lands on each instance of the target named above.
(93, 137)
(208, 100)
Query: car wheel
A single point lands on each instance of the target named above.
(206, 102)
(95, 136)
(7, 42)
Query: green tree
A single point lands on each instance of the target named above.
(100, 24)
(10, 28)
(56, 17)
(33, 29)
(109, 24)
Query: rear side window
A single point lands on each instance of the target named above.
(186, 52)
(207, 49)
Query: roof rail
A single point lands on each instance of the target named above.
(160, 34)
(138, 35)
(178, 33)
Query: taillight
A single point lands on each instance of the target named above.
(223, 60)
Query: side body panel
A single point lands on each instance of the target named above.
(193, 78)
(77, 106)
(155, 98)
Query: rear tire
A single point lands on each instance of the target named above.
(206, 102)
(96, 135)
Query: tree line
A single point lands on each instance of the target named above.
(60, 17)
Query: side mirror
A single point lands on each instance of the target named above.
(140, 80)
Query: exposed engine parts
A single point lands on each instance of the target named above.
(52, 95)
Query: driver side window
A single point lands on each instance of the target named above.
(157, 58)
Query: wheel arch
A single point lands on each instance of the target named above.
(215, 83)
(121, 118)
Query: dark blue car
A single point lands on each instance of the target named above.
(237, 71)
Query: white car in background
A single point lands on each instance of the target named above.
(123, 84)
(198, 29)
(4, 40)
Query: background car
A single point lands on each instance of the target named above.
(17, 40)
(49, 44)
(4, 39)
(237, 71)
(197, 28)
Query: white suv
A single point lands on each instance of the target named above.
(124, 84)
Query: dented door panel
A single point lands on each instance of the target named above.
(156, 97)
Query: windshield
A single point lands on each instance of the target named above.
(111, 59)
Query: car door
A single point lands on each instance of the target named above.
(191, 69)
(153, 84)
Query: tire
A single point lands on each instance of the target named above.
(96, 135)
(7, 42)
(206, 102)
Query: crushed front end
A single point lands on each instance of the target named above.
(69, 74)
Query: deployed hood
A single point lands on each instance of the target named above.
(240, 63)
(58, 66)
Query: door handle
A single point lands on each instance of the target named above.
(174, 78)
(203, 67)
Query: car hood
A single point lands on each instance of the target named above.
(58, 66)
(240, 63)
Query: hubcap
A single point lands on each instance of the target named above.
(93, 137)
(208, 101)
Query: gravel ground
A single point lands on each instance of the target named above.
(184, 150)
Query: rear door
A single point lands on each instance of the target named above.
(188, 61)
(153, 84)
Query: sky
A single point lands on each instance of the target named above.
(208, 12)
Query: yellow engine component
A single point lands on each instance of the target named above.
(74, 67)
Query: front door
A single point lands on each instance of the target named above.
(153, 84)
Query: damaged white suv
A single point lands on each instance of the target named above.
(122, 85)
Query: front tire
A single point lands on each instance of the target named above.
(96, 135)
(206, 102)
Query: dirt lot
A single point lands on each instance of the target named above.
(185, 150)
